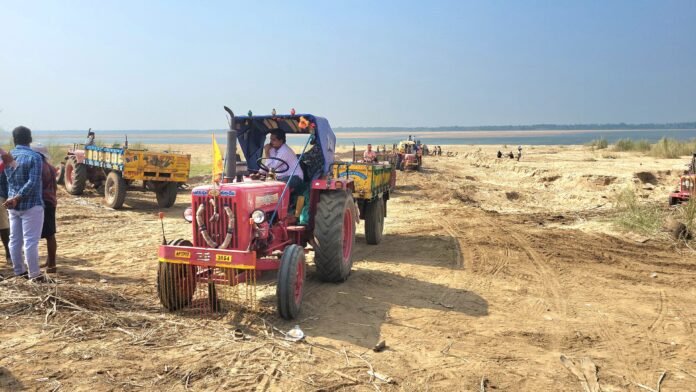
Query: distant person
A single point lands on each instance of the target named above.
(439, 150)
(500, 154)
(511, 155)
(409, 138)
(369, 155)
(48, 183)
(21, 187)
(4, 217)
(519, 152)
(90, 138)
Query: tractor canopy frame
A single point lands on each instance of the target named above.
(252, 131)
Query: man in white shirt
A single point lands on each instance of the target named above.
(369, 155)
(277, 148)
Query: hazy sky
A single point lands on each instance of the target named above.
(173, 65)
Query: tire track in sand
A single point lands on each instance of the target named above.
(548, 278)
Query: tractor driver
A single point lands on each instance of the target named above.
(277, 148)
(369, 156)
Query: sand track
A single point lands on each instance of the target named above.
(468, 283)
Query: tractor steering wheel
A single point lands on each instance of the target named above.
(283, 165)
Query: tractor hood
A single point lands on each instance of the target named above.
(252, 130)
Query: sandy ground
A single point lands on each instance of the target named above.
(492, 275)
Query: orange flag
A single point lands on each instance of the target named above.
(217, 161)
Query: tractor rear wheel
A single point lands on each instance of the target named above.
(166, 194)
(176, 283)
(374, 221)
(334, 235)
(60, 176)
(114, 190)
(75, 176)
(291, 278)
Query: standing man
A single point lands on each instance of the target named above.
(369, 155)
(50, 199)
(4, 218)
(21, 186)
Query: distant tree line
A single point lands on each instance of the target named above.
(535, 127)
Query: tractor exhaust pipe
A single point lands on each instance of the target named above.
(231, 153)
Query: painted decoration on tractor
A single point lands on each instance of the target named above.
(353, 173)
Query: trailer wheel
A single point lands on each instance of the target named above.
(114, 190)
(166, 194)
(176, 283)
(374, 221)
(75, 176)
(334, 235)
(291, 278)
(60, 176)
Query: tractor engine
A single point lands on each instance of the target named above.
(237, 215)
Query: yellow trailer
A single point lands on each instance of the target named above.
(373, 183)
(116, 168)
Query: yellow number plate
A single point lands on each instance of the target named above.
(182, 253)
(223, 258)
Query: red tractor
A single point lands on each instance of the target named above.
(244, 227)
(409, 155)
(686, 186)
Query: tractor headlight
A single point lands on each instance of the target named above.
(258, 216)
(188, 215)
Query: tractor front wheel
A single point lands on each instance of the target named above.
(166, 194)
(75, 176)
(115, 190)
(176, 283)
(60, 176)
(291, 277)
(334, 235)
(374, 221)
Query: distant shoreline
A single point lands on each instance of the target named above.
(541, 137)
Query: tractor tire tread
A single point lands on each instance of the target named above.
(374, 221)
(328, 232)
(285, 289)
(79, 177)
(168, 274)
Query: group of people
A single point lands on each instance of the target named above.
(437, 151)
(511, 155)
(28, 212)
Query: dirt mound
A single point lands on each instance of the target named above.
(466, 194)
(512, 195)
(549, 178)
(677, 229)
(599, 180)
(646, 178)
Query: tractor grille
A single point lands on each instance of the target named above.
(216, 229)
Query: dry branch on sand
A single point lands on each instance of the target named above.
(255, 356)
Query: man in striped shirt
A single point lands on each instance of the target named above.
(277, 148)
(21, 186)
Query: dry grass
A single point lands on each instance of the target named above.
(632, 215)
(665, 148)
